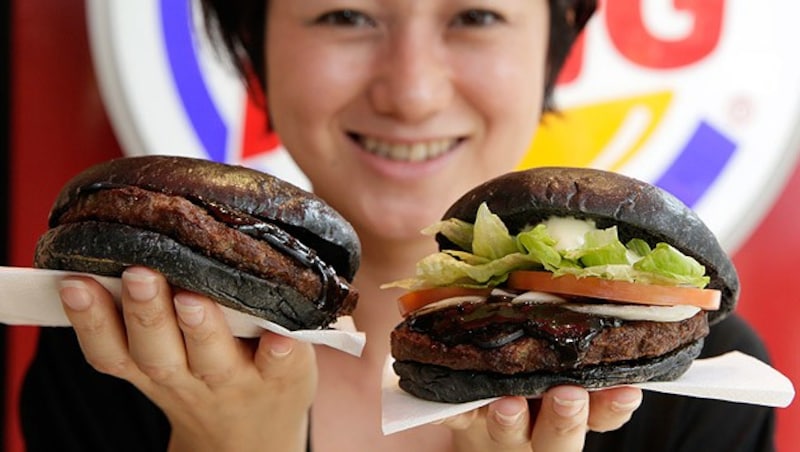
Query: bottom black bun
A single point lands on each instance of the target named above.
(440, 384)
(108, 248)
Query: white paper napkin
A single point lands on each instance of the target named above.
(734, 377)
(30, 297)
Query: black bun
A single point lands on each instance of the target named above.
(261, 195)
(440, 384)
(94, 247)
(638, 209)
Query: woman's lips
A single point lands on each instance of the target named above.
(406, 151)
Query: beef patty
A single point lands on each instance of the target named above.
(508, 338)
(206, 228)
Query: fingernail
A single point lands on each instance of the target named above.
(623, 407)
(189, 309)
(281, 349)
(75, 294)
(566, 407)
(508, 412)
(140, 284)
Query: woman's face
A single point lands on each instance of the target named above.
(394, 108)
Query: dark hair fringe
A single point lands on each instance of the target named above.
(237, 28)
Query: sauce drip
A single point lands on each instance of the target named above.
(332, 287)
(498, 322)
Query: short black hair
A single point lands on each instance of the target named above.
(239, 26)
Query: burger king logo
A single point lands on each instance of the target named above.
(701, 98)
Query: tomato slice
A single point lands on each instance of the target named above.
(619, 291)
(414, 300)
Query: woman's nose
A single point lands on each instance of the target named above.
(412, 81)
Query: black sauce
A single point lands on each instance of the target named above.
(498, 322)
(332, 287)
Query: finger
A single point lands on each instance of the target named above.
(154, 339)
(281, 357)
(213, 354)
(612, 408)
(98, 326)
(290, 366)
(508, 422)
(561, 422)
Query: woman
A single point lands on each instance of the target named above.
(393, 109)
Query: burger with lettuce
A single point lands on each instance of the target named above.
(555, 276)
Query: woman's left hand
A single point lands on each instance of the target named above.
(565, 414)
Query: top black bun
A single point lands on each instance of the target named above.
(638, 209)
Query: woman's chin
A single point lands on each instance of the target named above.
(398, 220)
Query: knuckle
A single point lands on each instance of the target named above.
(91, 325)
(569, 428)
(152, 317)
(217, 378)
(199, 336)
(89, 330)
(120, 368)
(160, 373)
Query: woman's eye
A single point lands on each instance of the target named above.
(345, 18)
(476, 18)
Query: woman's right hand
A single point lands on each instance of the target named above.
(219, 392)
(564, 415)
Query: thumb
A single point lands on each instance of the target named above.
(562, 420)
(283, 358)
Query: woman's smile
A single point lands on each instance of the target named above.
(406, 151)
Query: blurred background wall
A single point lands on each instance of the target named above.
(57, 126)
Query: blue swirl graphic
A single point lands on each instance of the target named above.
(698, 165)
(207, 123)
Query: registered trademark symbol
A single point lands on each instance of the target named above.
(740, 111)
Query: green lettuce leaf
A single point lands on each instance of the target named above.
(489, 253)
(490, 237)
(665, 264)
(600, 247)
(540, 246)
(457, 231)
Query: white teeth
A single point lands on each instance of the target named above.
(415, 152)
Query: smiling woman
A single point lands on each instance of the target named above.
(392, 109)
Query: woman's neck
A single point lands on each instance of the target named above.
(383, 261)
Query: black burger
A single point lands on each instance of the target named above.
(251, 241)
(559, 276)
